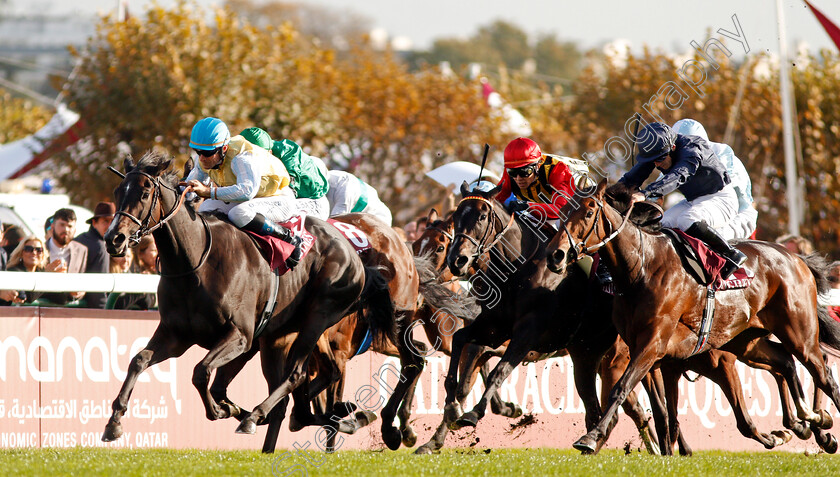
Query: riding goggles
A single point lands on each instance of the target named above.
(206, 153)
(523, 171)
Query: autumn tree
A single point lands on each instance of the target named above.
(19, 117)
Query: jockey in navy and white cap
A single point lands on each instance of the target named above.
(690, 166)
(244, 181)
(744, 223)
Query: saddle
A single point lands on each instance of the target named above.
(276, 251)
(704, 265)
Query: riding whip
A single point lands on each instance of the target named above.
(635, 135)
(483, 161)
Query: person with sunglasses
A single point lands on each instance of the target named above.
(689, 165)
(244, 181)
(30, 255)
(542, 181)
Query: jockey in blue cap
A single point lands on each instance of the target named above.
(690, 166)
(244, 181)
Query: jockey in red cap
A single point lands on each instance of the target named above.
(542, 180)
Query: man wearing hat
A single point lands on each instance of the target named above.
(689, 165)
(94, 239)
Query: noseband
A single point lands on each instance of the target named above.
(144, 224)
(480, 244)
(579, 249)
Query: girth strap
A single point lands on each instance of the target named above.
(706, 322)
(269, 306)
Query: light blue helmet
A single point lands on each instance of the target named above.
(209, 134)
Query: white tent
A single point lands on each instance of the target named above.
(17, 154)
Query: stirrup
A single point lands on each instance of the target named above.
(731, 266)
(294, 258)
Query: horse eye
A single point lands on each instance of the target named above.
(590, 214)
(483, 217)
(441, 248)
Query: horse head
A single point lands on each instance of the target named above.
(580, 233)
(434, 241)
(139, 201)
(476, 226)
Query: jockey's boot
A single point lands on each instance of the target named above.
(734, 257)
(263, 226)
(602, 273)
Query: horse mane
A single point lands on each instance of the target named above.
(151, 163)
(464, 306)
(646, 218)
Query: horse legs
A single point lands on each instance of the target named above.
(232, 345)
(162, 346)
(451, 410)
(639, 366)
(520, 344)
(497, 406)
(411, 366)
(224, 376)
(719, 366)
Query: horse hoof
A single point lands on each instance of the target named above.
(247, 426)
(113, 431)
(782, 437)
(802, 430)
(831, 446)
(517, 411)
(231, 409)
(409, 437)
(469, 419)
(424, 450)
(364, 417)
(344, 409)
(294, 425)
(825, 419)
(392, 437)
(451, 412)
(586, 445)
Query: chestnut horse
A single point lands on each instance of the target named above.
(215, 284)
(658, 306)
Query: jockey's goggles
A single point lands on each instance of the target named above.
(206, 153)
(523, 171)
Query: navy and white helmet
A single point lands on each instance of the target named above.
(654, 141)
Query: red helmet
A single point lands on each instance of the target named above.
(522, 152)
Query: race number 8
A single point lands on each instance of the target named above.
(354, 235)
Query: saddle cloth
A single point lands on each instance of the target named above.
(358, 239)
(704, 264)
(276, 251)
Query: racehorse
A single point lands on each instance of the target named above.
(659, 306)
(521, 302)
(215, 284)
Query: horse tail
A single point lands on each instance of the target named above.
(438, 296)
(819, 267)
(377, 309)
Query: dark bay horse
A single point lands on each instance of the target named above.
(215, 284)
(521, 302)
(658, 308)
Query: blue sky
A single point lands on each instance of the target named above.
(666, 24)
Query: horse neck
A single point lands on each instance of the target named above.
(514, 242)
(181, 240)
(628, 253)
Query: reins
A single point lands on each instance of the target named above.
(580, 249)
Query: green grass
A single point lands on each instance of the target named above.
(459, 462)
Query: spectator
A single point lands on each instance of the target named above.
(3, 255)
(94, 241)
(66, 255)
(11, 238)
(48, 227)
(29, 256)
(410, 230)
(122, 264)
(796, 244)
(834, 281)
(146, 256)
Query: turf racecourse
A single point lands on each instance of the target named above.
(460, 462)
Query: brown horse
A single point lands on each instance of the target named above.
(215, 284)
(659, 307)
(522, 303)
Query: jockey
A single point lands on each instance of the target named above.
(544, 182)
(349, 194)
(244, 181)
(690, 165)
(308, 182)
(744, 223)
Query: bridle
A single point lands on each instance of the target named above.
(578, 249)
(480, 244)
(146, 229)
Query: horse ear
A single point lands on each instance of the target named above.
(465, 189)
(494, 191)
(602, 186)
(128, 164)
(188, 166)
(433, 216)
(162, 166)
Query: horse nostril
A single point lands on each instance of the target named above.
(461, 261)
(118, 239)
(557, 256)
